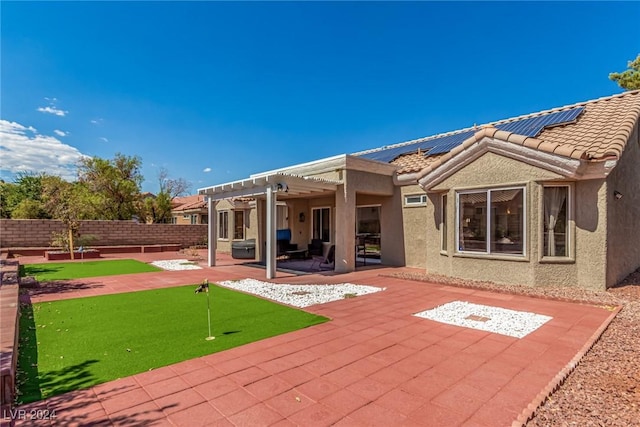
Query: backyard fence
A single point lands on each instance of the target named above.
(28, 233)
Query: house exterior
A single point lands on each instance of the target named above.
(189, 210)
(549, 198)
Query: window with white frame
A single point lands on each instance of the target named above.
(491, 221)
(415, 200)
(443, 222)
(238, 225)
(223, 225)
(556, 221)
(194, 219)
(321, 224)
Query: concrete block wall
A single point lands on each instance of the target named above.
(26, 233)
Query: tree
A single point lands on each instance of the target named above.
(22, 199)
(628, 79)
(29, 209)
(68, 202)
(116, 182)
(157, 209)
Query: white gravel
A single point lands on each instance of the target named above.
(176, 264)
(498, 320)
(300, 295)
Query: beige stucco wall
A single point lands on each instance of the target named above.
(250, 219)
(493, 170)
(414, 220)
(623, 232)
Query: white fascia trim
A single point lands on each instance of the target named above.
(331, 164)
(567, 167)
(317, 166)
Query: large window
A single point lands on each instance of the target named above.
(238, 225)
(321, 224)
(223, 225)
(556, 221)
(491, 221)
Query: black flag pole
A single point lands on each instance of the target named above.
(204, 287)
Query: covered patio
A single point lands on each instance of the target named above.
(329, 193)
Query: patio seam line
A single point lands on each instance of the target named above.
(529, 411)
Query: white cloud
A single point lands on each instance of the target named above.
(97, 121)
(53, 110)
(23, 149)
(59, 132)
(206, 170)
(103, 139)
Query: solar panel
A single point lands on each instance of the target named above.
(531, 126)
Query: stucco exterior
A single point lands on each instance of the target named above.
(250, 222)
(623, 232)
(510, 240)
(585, 265)
(414, 227)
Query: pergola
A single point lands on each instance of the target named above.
(273, 186)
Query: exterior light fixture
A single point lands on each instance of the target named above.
(617, 195)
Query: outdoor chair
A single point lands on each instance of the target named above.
(320, 260)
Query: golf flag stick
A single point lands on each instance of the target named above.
(205, 287)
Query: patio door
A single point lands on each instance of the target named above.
(368, 249)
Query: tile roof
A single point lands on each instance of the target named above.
(186, 203)
(600, 132)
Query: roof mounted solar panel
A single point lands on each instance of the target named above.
(532, 126)
(528, 126)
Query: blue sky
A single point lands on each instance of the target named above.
(215, 91)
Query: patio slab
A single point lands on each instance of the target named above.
(375, 363)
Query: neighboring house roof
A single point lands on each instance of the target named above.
(591, 130)
(188, 203)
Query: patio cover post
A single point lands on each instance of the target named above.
(345, 237)
(211, 232)
(271, 232)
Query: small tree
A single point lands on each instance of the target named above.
(629, 79)
(67, 202)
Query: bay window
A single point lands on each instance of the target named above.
(491, 221)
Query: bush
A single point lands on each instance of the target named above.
(61, 239)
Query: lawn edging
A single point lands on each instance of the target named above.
(10, 309)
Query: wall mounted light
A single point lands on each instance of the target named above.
(617, 195)
(301, 217)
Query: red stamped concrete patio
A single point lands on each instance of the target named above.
(374, 364)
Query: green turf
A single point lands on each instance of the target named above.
(80, 269)
(73, 344)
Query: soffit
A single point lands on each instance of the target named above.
(286, 185)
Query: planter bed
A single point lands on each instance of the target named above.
(58, 256)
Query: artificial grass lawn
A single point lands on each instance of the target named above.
(78, 343)
(80, 269)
